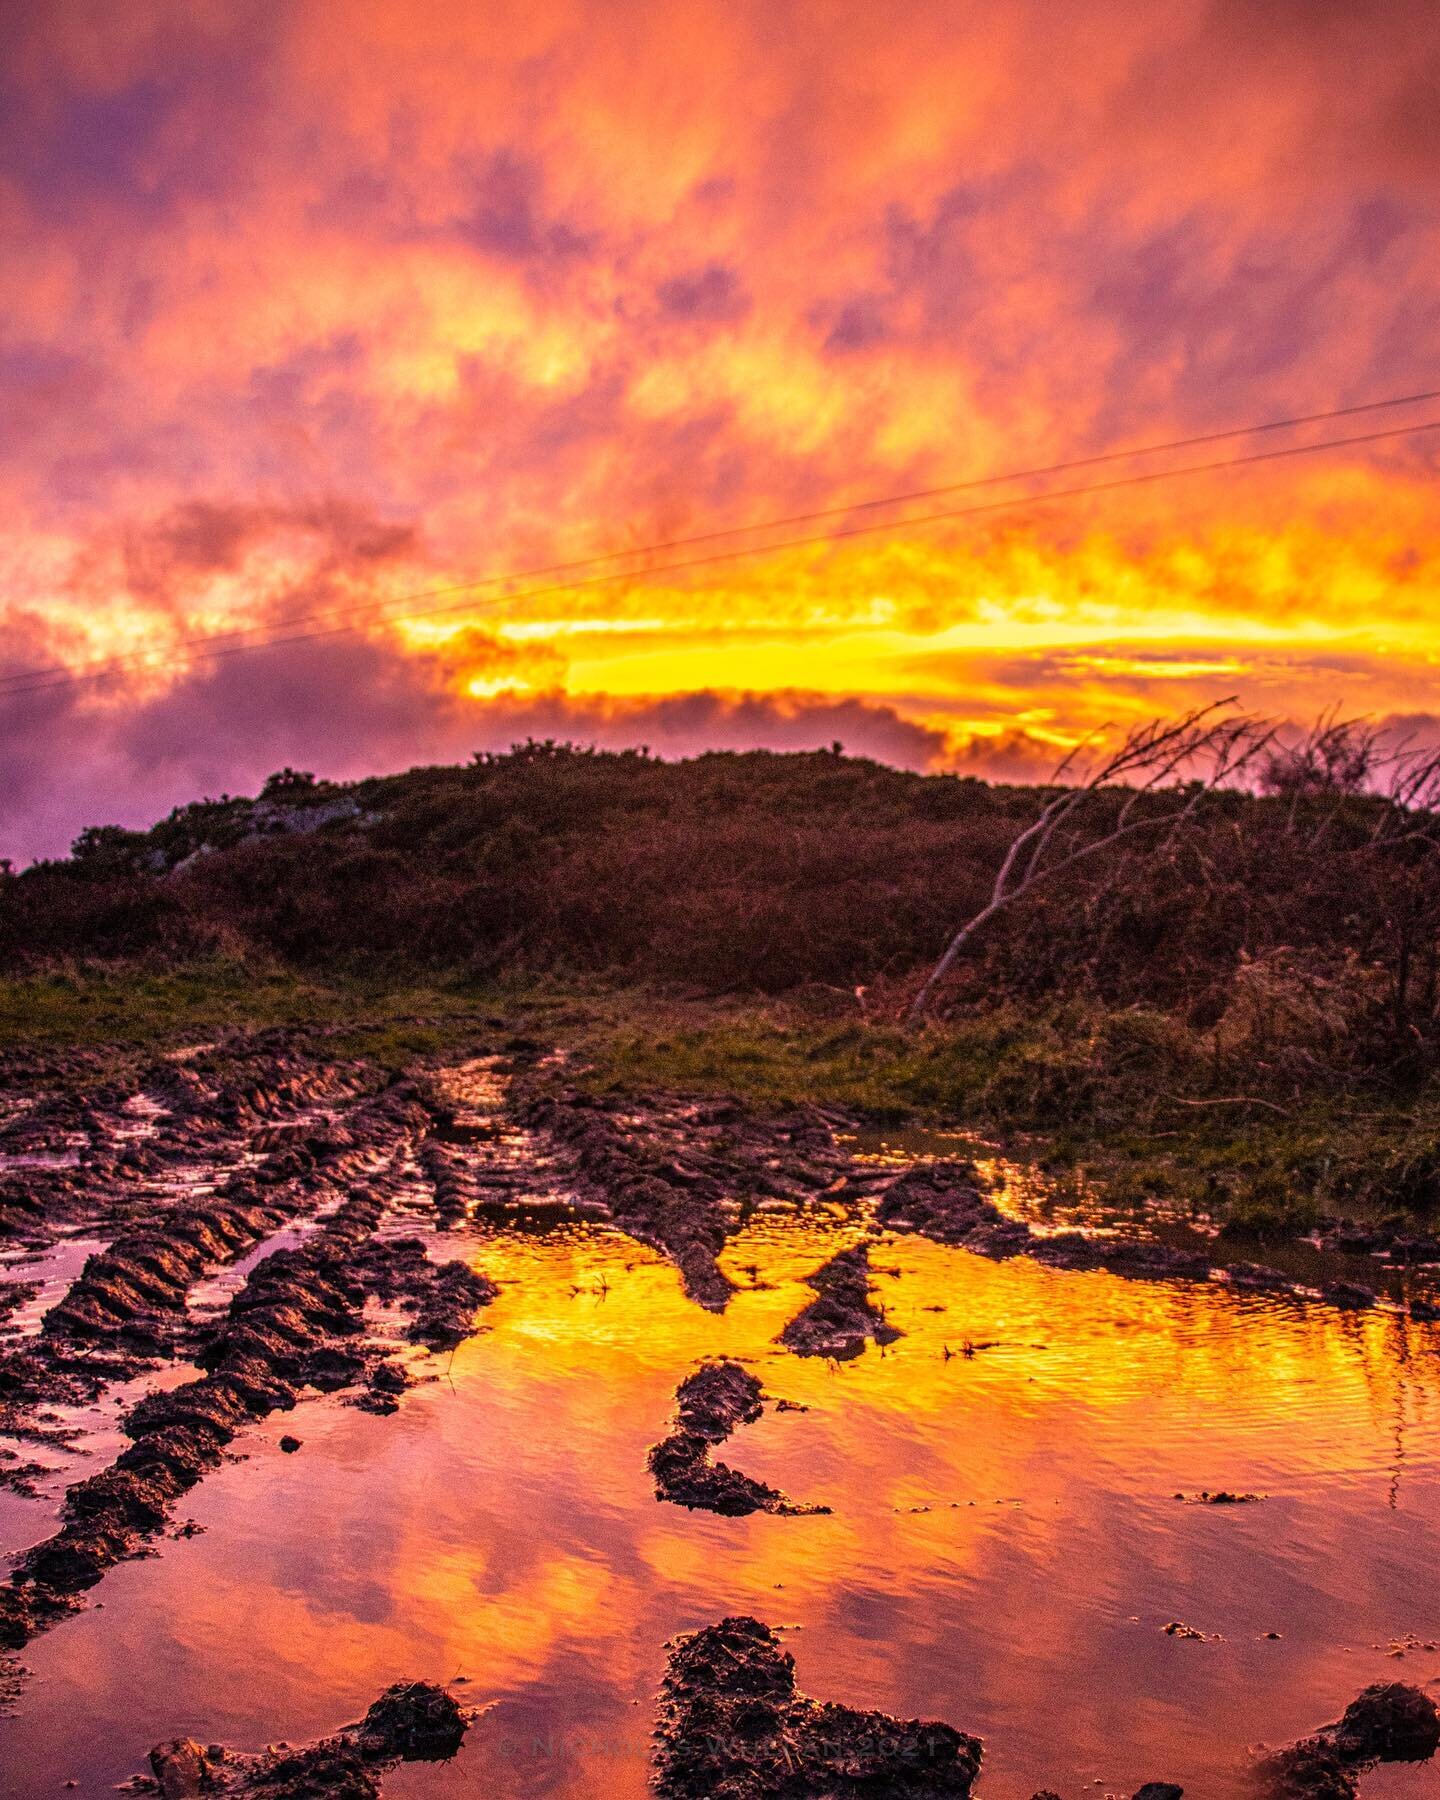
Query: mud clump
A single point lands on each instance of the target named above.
(1258, 1278)
(1309, 1770)
(941, 1200)
(731, 1723)
(710, 1404)
(28, 1380)
(686, 1475)
(1387, 1722)
(414, 1721)
(843, 1319)
(716, 1399)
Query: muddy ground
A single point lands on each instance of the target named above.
(206, 1237)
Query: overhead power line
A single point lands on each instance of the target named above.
(221, 645)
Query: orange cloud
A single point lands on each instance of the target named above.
(331, 303)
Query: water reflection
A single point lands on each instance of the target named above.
(1005, 1550)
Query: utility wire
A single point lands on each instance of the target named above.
(219, 646)
(730, 531)
(22, 677)
(104, 665)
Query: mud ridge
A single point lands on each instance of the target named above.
(945, 1201)
(297, 1322)
(842, 1319)
(687, 1177)
(710, 1404)
(730, 1722)
(413, 1721)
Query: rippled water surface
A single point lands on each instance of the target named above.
(1005, 1549)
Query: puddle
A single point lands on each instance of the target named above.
(1004, 1552)
(1050, 1203)
(53, 1270)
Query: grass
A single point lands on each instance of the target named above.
(1101, 1092)
(139, 1009)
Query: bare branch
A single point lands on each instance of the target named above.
(1215, 745)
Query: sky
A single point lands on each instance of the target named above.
(314, 311)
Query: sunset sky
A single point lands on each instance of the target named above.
(312, 306)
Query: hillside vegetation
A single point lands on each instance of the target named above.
(1276, 961)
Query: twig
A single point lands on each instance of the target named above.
(1230, 1100)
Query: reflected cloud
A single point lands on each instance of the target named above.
(1005, 1550)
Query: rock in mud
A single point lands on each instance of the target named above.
(843, 1319)
(710, 1404)
(1389, 1721)
(731, 1723)
(181, 1768)
(414, 1721)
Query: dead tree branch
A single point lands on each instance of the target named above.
(1168, 767)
